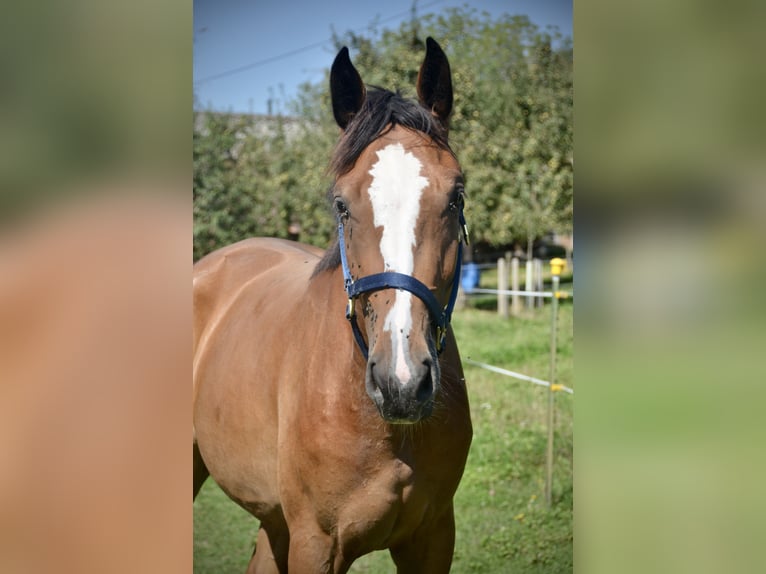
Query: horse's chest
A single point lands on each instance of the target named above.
(383, 508)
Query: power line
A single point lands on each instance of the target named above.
(250, 66)
(261, 62)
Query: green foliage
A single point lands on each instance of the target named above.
(222, 212)
(257, 179)
(511, 128)
(512, 124)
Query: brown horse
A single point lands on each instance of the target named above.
(345, 438)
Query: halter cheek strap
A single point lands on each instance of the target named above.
(440, 317)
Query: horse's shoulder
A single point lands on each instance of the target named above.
(220, 277)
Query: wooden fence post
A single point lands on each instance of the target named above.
(502, 285)
(538, 281)
(515, 299)
(528, 284)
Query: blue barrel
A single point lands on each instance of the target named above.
(469, 276)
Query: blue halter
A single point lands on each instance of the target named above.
(440, 317)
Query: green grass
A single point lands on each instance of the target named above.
(503, 524)
(224, 533)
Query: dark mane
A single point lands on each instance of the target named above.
(330, 260)
(381, 112)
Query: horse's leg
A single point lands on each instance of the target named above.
(200, 471)
(270, 556)
(314, 551)
(430, 550)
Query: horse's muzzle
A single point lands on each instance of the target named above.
(398, 401)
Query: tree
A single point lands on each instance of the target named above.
(222, 211)
(512, 120)
(261, 177)
(511, 129)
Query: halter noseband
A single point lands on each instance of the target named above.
(440, 317)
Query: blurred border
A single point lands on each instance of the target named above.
(670, 206)
(95, 298)
(95, 304)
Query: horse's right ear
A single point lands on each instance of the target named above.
(347, 89)
(435, 82)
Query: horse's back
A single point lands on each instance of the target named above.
(221, 276)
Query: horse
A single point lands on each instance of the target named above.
(329, 396)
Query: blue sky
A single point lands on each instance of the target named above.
(240, 34)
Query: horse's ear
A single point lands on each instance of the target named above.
(435, 82)
(346, 87)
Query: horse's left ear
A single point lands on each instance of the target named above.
(346, 88)
(435, 82)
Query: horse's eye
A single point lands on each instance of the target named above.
(340, 207)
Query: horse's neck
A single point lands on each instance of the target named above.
(327, 297)
(344, 367)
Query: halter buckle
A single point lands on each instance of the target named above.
(464, 229)
(441, 332)
(350, 308)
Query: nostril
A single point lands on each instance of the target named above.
(373, 376)
(373, 386)
(425, 388)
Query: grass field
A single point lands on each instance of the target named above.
(503, 524)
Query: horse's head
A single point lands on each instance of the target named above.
(398, 196)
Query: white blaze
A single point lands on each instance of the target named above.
(395, 195)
